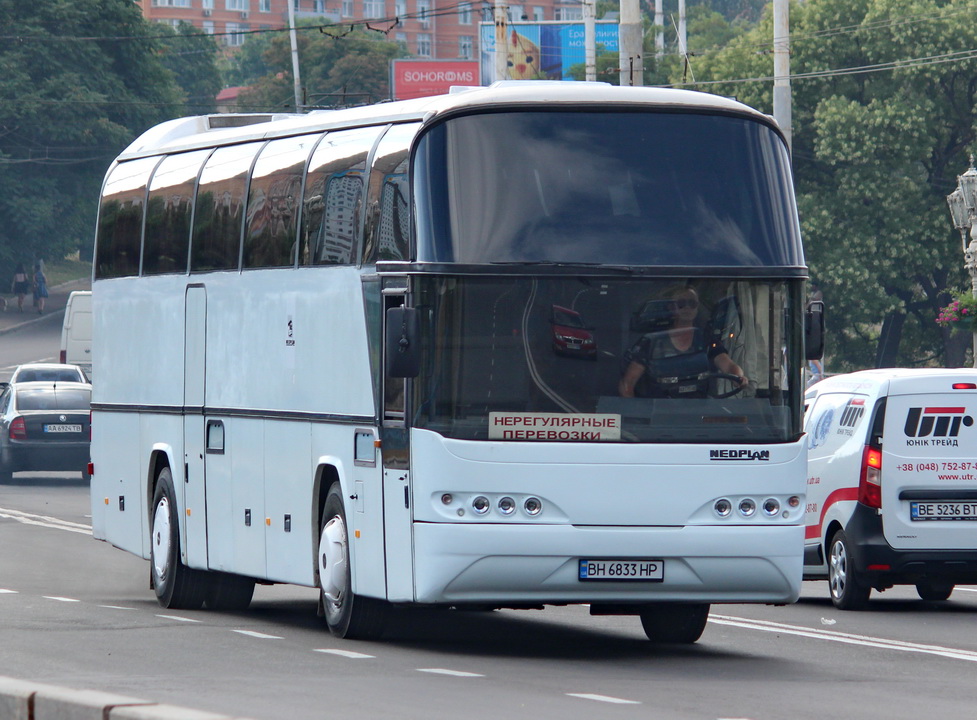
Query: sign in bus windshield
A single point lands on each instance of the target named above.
(554, 426)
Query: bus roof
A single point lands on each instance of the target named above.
(209, 130)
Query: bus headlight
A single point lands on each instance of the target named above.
(533, 506)
(481, 505)
(507, 506)
(723, 508)
(771, 506)
(747, 507)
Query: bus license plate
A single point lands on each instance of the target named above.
(645, 570)
(943, 510)
(62, 428)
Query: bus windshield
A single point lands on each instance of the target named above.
(542, 358)
(624, 187)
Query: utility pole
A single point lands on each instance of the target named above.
(660, 25)
(295, 55)
(590, 39)
(683, 33)
(781, 67)
(630, 36)
(501, 42)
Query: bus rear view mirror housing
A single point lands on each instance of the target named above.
(814, 330)
(402, 342)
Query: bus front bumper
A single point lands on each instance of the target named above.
(537, 565)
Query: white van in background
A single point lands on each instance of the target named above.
(892, 482)
(76, 333)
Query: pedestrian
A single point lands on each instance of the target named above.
(20, 285)
(40, 288)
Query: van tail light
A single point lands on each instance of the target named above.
(18, 429)
(64, 356)
(870, 481)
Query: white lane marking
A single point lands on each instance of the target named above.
(848, 638)
(260, 636)
(453, 673)
(967, 589)
(604, 698)
(176, 617)
(45, 521)
(59, 599)
(116, 607)
(345, 653)
(7, 592)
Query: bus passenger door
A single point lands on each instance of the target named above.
(194, 539)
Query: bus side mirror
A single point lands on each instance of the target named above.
(814, 330)
(402, 342)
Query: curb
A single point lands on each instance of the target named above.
(23, 700)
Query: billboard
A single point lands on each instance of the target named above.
(542, 50)
(421, 78)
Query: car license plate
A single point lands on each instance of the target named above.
(934, 510)
(62, 428)
(646, 570)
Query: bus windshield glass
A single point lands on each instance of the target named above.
(620, 188)
(620, 360)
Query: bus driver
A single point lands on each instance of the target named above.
(677, 359)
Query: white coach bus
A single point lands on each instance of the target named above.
(382, 351)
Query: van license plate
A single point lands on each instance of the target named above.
(943, 511)
(645, 570)
(62, 428)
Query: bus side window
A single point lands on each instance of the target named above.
(167, 242)
(272, 215)
(333, 199)
(120, 219)
(218, 218)
(388, 201)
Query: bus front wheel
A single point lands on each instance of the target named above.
(347, 615)
(176, 585)
(674, 623)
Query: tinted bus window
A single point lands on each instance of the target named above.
(219, 217)
(167, 240)
(120, 219)
(388, 229)
(276, 184)
(333, 200)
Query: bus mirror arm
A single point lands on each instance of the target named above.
(402, 344)
(814, 330)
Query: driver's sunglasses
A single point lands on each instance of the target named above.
(685, 303)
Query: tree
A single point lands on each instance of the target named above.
(80, 79)
(876, 150)
(191, 55)
(339, 66)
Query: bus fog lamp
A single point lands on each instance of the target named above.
(747, 507)
(507, 506)
(446, 498)
(723, 507)
(481, 505)
(771, 506)
(533, 506)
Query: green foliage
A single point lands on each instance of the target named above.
(875, 154)
(339, 67)
(73, 102)
(191, 56)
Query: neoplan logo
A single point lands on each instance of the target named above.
(936, 421)
(761, 455)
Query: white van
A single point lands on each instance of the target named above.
(892, 482)
(76, 333)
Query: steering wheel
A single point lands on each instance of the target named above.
(735, 379)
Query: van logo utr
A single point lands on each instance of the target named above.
(936, 421)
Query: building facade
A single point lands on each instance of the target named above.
(431, 29)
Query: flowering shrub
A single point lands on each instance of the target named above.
(960, 314)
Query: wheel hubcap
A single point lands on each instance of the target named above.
(161, 538)
(333, 561)
(838, 569)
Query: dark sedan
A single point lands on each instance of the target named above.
(44, 426)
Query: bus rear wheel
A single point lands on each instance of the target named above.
(347, 614)
(176, 585)
(674, 622)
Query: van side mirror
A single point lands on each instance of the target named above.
(814, 330)
(402, 342)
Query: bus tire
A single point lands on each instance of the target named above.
(935, 591)
(228, 592)
(848, 590)
(347, 615)
(176, 585)
(674, 622)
